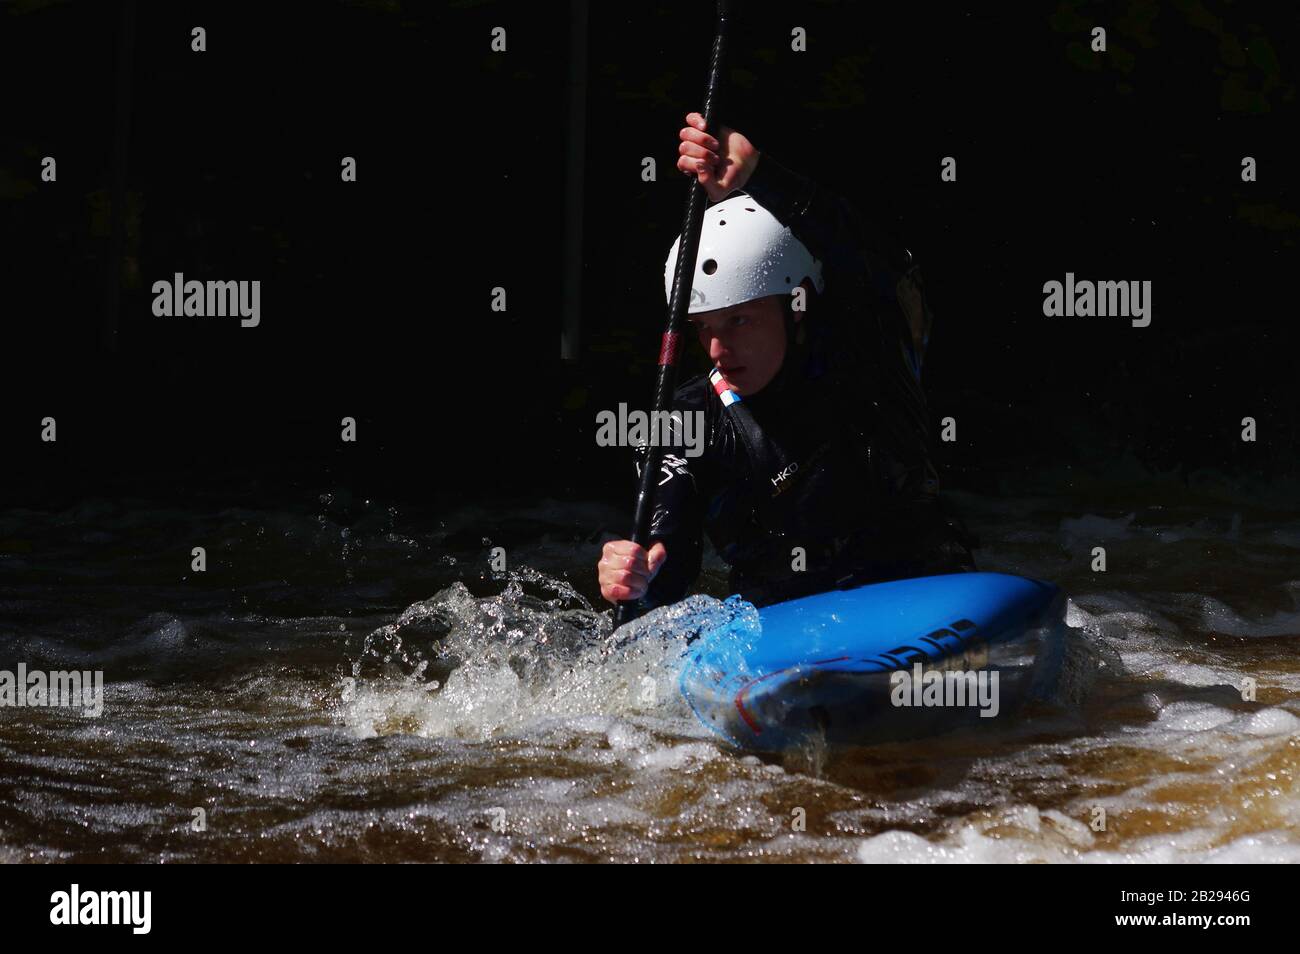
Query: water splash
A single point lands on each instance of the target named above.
(476, 668)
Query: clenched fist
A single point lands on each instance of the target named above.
(721, 166)
(626, 569)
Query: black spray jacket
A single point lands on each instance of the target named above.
(824, 478)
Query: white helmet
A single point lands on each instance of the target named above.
(745, 253)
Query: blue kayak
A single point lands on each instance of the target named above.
(878, 663)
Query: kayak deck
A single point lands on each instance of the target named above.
(884, 662)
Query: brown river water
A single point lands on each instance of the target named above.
(377, 692)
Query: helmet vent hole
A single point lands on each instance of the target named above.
(710, 266)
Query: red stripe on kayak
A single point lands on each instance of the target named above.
(740, 696)
(740, 707)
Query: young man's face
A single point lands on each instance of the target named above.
(745, 342)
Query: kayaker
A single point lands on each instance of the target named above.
(820, 475)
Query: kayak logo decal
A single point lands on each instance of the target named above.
(951, 644)
(948, 641)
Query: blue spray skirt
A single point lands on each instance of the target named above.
(829, 667)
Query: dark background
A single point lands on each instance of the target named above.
(375, 296)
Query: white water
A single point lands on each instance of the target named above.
(510, 727)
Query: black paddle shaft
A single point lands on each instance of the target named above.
(678, 301)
